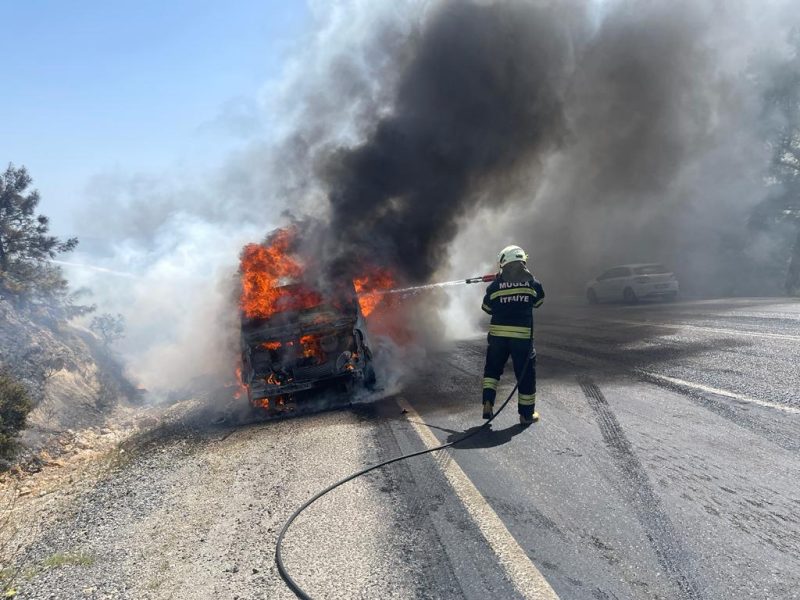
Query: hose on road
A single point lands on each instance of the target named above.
(290, 582)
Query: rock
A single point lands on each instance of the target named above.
(24, 491)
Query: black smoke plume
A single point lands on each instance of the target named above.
(479, 98)
(590, 138)
(590, 132)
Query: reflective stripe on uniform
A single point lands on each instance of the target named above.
(527, 399)
(490, 383)
(538, 304)
(514, 292)
(510, 331)
(486, 308)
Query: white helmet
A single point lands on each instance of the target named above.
(511, 254)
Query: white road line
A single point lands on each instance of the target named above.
(524, 575)
(679, 326)
(576, 358)
(712, 390)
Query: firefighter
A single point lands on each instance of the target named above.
(510, 300)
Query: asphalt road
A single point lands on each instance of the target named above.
(666, 465)
(666, 462)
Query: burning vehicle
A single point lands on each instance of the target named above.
(301, 334)
(305, 348)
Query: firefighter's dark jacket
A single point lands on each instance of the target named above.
(510, 304)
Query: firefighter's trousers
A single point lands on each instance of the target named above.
(496, 357)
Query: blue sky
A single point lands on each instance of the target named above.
(96, 87)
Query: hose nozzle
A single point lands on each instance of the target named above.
(482, 279)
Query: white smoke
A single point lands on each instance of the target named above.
(180, 239)
(177, 298)
(175, 238)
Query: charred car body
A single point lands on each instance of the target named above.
(314, 341)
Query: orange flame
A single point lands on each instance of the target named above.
(263, 267)
(241, 387)
(369, 288)
(311, 348)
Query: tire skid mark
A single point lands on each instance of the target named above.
(669, 548)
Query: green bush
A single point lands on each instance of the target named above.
(15, 404)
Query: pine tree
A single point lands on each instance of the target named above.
(26, 249)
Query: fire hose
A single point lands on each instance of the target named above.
(290, 582)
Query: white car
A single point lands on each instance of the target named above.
(632, 282)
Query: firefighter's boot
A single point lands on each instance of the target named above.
(488, 409)
(527, 416)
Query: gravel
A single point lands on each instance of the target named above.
(193, 512)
